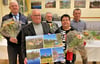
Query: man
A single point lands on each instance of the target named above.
(13, 48)
(64, 29)
(53, 26)
(79, 25)
(36, 27)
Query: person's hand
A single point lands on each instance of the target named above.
(13, 40)
(63, 62)
(25, 61)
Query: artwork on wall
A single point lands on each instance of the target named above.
(94, 3)
(22, 5)
(36, 4)
(50, 3)
(79, 3)
(64, 4)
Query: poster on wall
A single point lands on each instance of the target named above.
(94, 3)
(65, 4)
(79, 3)
(22, 5)
(50, 3)
(44, 49)
(36, 4)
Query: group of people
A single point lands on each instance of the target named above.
(37, 27)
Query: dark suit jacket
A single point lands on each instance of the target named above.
(28, 30)
(21, 18)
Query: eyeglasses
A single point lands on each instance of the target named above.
(36, 15)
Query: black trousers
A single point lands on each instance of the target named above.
(13, 51)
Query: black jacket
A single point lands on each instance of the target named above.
(21, 18)
(29, 30)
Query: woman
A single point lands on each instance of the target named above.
(64, 29)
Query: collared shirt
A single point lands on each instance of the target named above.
(16, 17)
(78, 26)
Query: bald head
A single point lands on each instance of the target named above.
(15, 2)
(35, 11)
(14, 8)
(36, 16)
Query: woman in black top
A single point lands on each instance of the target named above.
(64, 29)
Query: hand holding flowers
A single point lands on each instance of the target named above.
(10, 28)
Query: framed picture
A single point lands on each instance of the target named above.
(79, 3)
(65, 4)
(94, 3)
(22, 5)
(50, 3)
(36, 4)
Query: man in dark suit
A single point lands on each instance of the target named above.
(13, 48)
(36, 27)
(53, 26)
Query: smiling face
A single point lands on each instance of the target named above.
(36, 16)
(77, 14)
(65, 22)
(14, 8)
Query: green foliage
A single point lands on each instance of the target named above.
(95, 34)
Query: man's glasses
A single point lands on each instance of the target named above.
(36, 15)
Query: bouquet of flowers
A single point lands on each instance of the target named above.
(75, 38)
(10, 28)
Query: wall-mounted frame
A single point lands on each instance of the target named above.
(36, 4)
(94, 3)
(79, 3)
(5, 2)
(22, 5)
(65, 4)
(50, 3)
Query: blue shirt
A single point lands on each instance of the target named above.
(16, 18)
(78, 26)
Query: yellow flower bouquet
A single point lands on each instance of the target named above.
(10, 28)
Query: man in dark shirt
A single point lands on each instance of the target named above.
(53, 26)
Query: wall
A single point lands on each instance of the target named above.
(88, 14)
(4, 9)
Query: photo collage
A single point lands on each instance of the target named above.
(43, 49)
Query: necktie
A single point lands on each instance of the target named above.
(15, 17)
